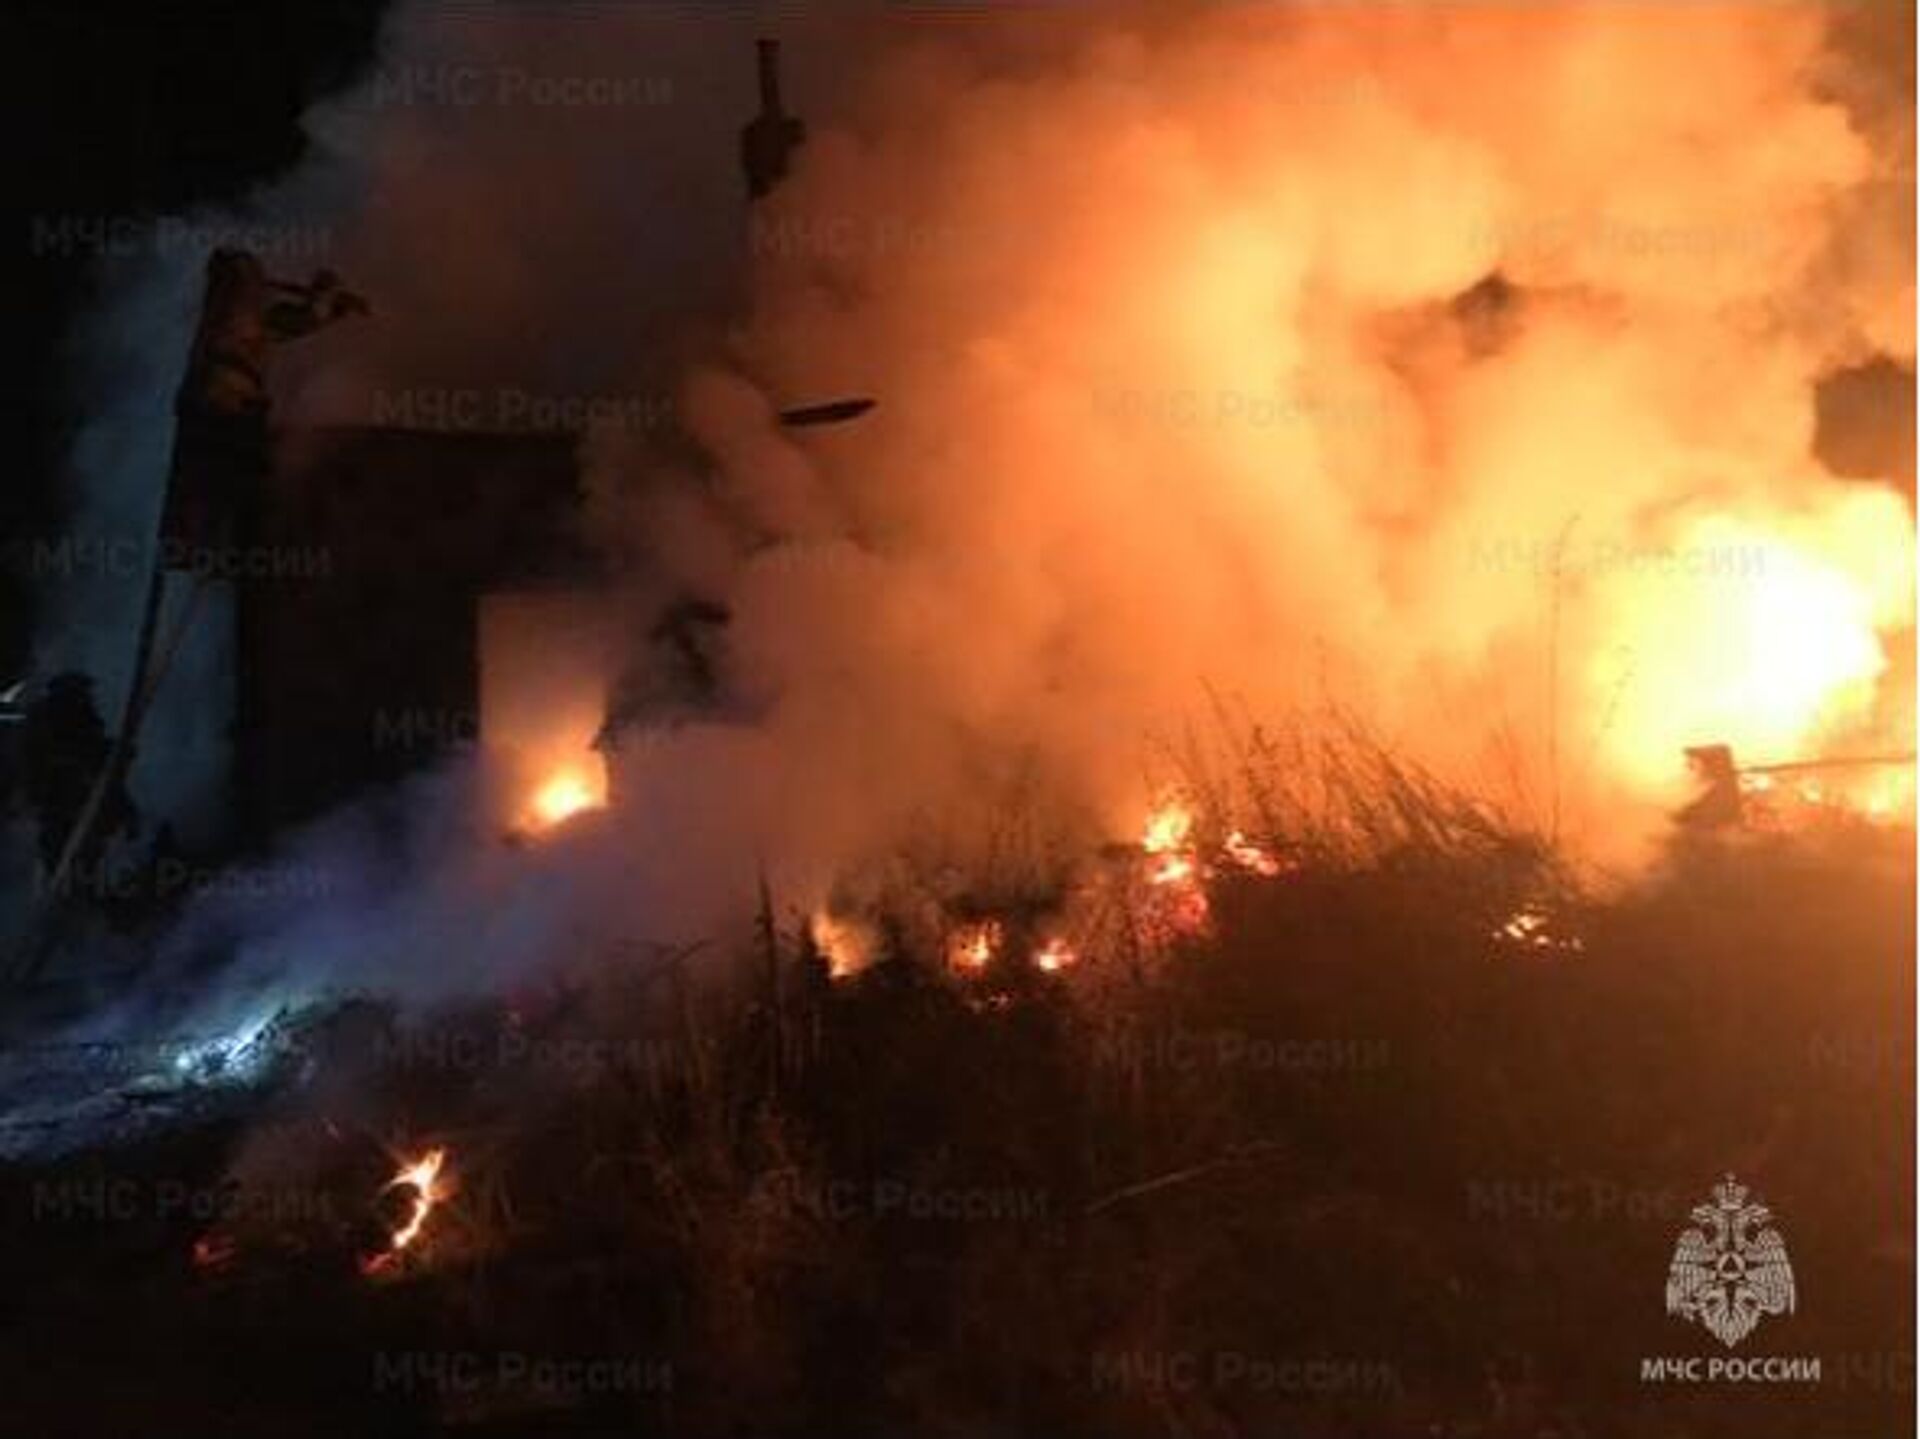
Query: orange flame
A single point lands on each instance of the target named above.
(1167, 828)
(1167, 842)
(1167, 839)
(973, 946)
(1053, 956)
(847, 945)
(422, 1176)
(564, 793)
(1777, 640)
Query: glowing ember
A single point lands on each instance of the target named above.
(1053, 956)
(423, 1178)
(211, 1251)
(1253, 858)
(972, 947)
(1532, 928)
(563, 794)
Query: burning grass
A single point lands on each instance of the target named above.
(1329, 1160)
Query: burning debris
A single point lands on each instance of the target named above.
(1138, 898)
(1166, 841)
(1254, 858)
(1535, 929)
(1178, 868)
(1054, 955)
(973, 947)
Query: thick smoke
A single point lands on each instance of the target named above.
(1454, 368)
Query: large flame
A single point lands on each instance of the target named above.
(1765, 635)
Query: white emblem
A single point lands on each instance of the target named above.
(1731, 1268)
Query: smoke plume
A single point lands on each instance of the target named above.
(1454, 368)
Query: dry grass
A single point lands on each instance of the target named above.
(1343, 1164)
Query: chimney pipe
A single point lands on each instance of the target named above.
(770, 138)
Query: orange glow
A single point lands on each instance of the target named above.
(1875, 794)
(1053, 956)
(422, 1176)
(972, 947)
(211, 1251)
(1889, 797)
(1531, 927)
(1174, 869)
(566, 792)
(1775, 639)
(1167, 829)
(847, 945)
(1167, 840)
(1252, 857)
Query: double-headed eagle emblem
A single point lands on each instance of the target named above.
(1731, 1268)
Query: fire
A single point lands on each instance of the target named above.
(1173, 868)
(1767, 634)
(1053, 956)
(1877, 792)
(1889, 797)
(422, 1176)
(847, 945)
(972, 947)
(1532, 927)
(1253, 858)
(564, 793)
(1167, 828)
(1165, 838)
